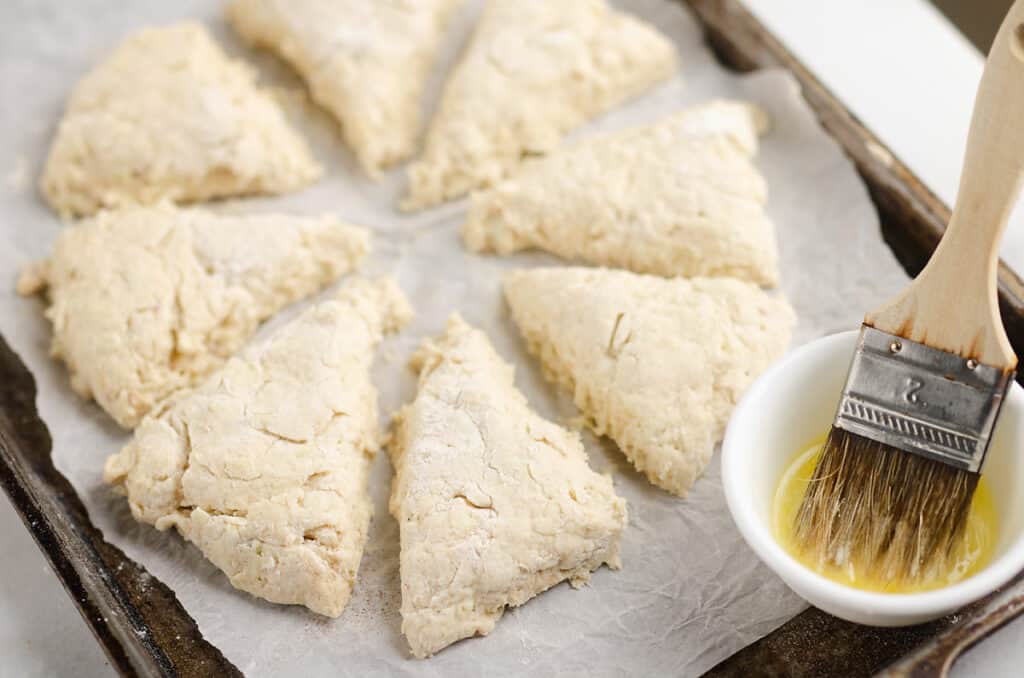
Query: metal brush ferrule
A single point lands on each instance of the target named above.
(921, 399)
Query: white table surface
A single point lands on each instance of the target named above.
(898, 64)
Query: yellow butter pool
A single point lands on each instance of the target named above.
(973, 553)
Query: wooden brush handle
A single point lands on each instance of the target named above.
(952, 305)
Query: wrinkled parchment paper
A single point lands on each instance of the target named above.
(690, 592)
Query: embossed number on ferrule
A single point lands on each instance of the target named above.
(913, 387)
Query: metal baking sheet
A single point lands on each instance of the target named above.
(690, 592)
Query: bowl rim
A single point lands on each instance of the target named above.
(811, 585)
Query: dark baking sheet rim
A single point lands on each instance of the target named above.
(145, 630)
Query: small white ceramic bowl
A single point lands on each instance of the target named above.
(793, 404)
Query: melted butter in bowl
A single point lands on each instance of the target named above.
(789, 406)
(972, 553)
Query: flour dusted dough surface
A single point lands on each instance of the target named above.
(534, 70)
(148, 300)
(678, 197)
(264, 467)
(366, 61)
(494, 503)
(655, 364)
(169, 115)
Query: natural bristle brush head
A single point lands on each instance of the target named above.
(889, 514)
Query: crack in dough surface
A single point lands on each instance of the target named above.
(494, 503)
(264, 466)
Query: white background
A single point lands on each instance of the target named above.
(898, 64)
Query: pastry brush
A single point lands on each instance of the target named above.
(892, 489)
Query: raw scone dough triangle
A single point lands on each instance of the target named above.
(655, 364)
(147, 300)
(264, 467)
(494, 503)
(679, 197)
(534, 70)
(366, 61)
(169, 115)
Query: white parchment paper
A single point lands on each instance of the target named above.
(690, 592)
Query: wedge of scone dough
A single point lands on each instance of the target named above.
(494, 503)
(169, 115)
(679, 197)
(264, 466)
(655, 364)
(147, 300)
(365, 61)
(534, 70)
